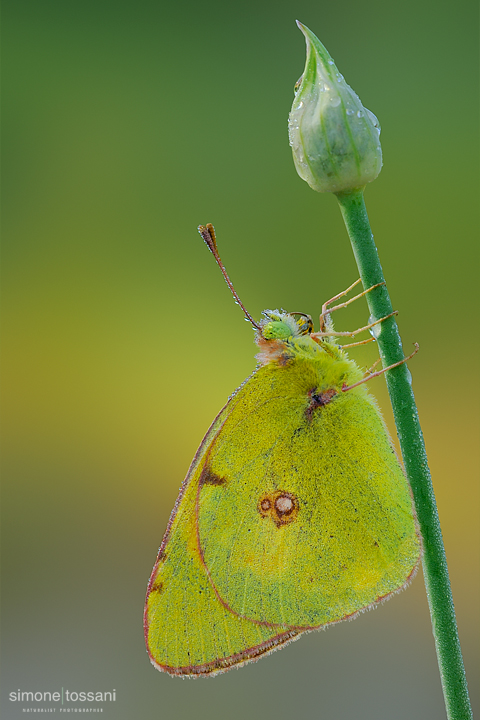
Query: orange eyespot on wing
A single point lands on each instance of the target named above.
(280, 506)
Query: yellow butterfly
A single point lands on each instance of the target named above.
(295, 512)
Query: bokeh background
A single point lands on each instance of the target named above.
(126, 124)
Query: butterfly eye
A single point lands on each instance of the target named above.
(304, 322)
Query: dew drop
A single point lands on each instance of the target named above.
(359, 114)
(297, 85)
(335, 101)
(376, 330)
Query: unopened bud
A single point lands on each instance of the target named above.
(335, 140)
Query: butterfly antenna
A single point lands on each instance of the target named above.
(208, 234)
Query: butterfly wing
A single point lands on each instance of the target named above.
(304, 517)
(187, 629)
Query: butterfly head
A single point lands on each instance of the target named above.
(282, 336)
(279, 325)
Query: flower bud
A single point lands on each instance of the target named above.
(335, 140)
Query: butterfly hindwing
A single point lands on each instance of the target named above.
(304, 516)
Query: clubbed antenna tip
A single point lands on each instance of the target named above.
(208, 234)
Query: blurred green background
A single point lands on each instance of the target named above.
(126, 124)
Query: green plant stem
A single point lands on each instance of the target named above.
(398, 379)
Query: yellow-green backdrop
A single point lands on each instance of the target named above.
(126, 124)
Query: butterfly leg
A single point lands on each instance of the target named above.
(370, 370)
(371, 375)
(361, 342)
(352, 333)
(326, 311)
